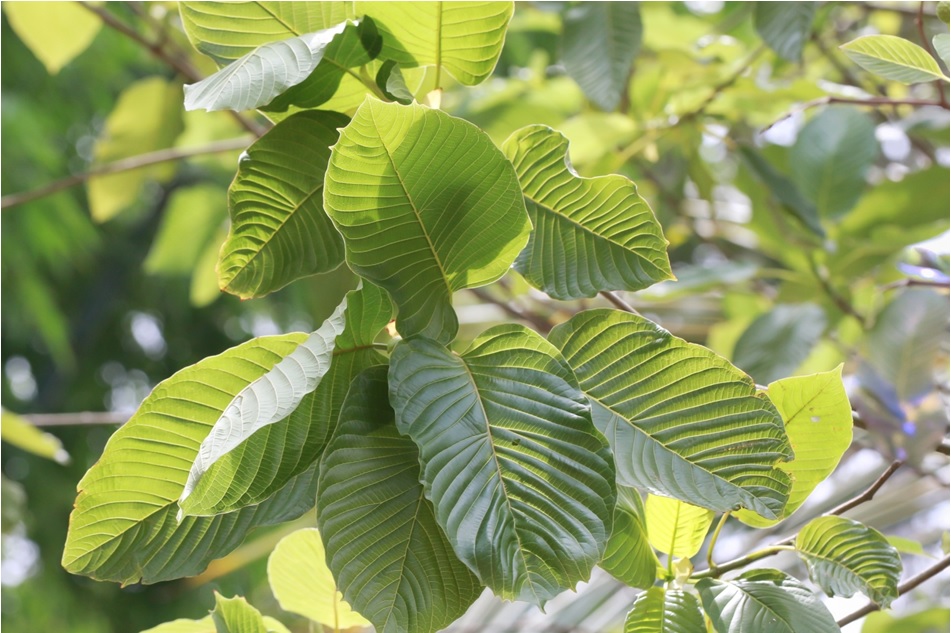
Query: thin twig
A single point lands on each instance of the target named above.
(902, 283)
(540, 323)
(618, 302)
(920, 23)
(869, 492)
(872, 102)
(85, 418)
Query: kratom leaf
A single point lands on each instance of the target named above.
(682, 421)
(190, 220)
(390, 557)
(591, 234)
(599, 44)
(521, 480)
(788, 194)
(207, 625)
(279, 231)
(629, 556)
(785, 26)
(418, 230)
(20, 433)
(906, 545)
(235, 615)
(676, 528)
(845, 556)
(777, 342)
(390, 80)
(56, 32)
(298, 574)
(665, 611)
(942, 46)
(893, 58)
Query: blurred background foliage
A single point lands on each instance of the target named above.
(805, 231)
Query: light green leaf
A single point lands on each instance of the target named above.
(591, 234)
(893, 58)
(131, 534)
(676, 528)
(390, 557)
(777, 342)
(464, 38)
(56, 32)
(936, 620)
(785, 26)
(629, 556)
(665, 611)
(207, 625)
(235, 615)
(599, 44)
(191, 219)
(521, 480)
(942, 46)
(764, 601)
(906, 545)
(784, 190)
(20, 433)
(204, 285)
(418, 233)
(298, 574)
(279, 231)
(845, 556)
(682, 421)
(818, 420)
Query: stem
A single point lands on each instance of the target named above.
(842, 303)
(869, 492)
(870, 102)
(85, 418)
(743, 561)
(902, 283)
(540, 323)
(618, 302)
(367, 81)
(713, 542)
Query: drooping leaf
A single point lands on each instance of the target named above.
(131, 534)
(784, 190)
(629, 556)
(676, 528)
(207, 625)
(591, 234)
(418, 230)
(56, 32)
(298, 574)
(785, 26)
(845, 556)
(599, 43)
(20, 433)
(764, 601)
(665, 611)
(191, 219)
(235, 615)
(279, 231)
(893, 58)
(390, 80)
(390, 557)
(682, 421)
(521, 481)
(777, 342)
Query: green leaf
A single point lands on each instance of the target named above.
(906, 545)
(777, 342)
(390, 80)
(764, 601)
(521, 481)
(599, 44)
(785, 191)
(190, 221)
(279, 231)
(591, 234)
(845, 556)
(207, 625)
(676, 528)
(629, 556)
(936, 620)
(266, 72)
(942, 46)
(302, 583)
(130, 534)
(390, 557)
(418, 231)
(20, 433)
(278, 425)
(893, 58)
(235, 615)
(56, 32)
(785, 26)
(818, 420)
(831, 157)
(682, 421)
(665, 611)
(465, 38)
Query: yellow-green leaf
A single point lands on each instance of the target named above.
(674, 527)
(22, 434)
(893, 58)
(56, 32)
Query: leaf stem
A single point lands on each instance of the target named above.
(368, 81)
(618, 302)
(713, 541)
(743, 561)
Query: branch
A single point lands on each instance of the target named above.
(909, 281)
(85, 418)
(618, 302)
(872, 102)
(869, 492)
(540, 323)
(126, 164)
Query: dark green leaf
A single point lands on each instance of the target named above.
(777, 342)
(665, 611)
(629, 556)
(784, 190)
(785, 26)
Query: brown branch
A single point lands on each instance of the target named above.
(85, 418)
(902, 283)
(540, 323)
(903, 588)
(618, 302)
(869, 492)
(872, 102)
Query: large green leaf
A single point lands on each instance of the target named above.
(777, 342)
(124, 526)
(676, 528)
(845, 556)
(893, 58)
(235, 615)
(56, 32)
(628, 555)
(390, 557)
(591, 234)
(522, 482)
(683, 422)
(20, 433)
(302, 583)
(665, 611)
(427, 205)
(764, 601)
(279, 231)
(785, 26)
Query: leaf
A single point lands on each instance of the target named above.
(390, 80)
(893, 58)
(784, 190)
(298, 574)
(599, 43)
(682, 421)
(190, 221)
(907, 546)
(777, 342)
(676, 528)
(665, 611)
(764, 601)
(591, 234)
(818, 420)
(629, 556)
(235, 615)
(465, 38)
(20, 433)
(207, 625)
(56, 32)
(279, 231)
(831, 157)
(934, 620)
(278, 425)
(942, 46)
(130, 534)
(419, 231)
(845, 556)
(521, 481)
(784, 26)
(390, 557)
